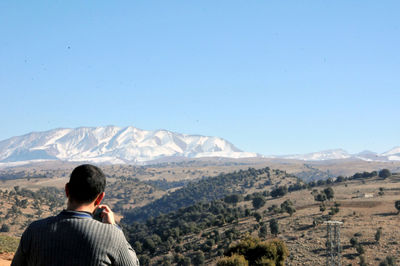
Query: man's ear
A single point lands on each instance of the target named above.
(99, 198)
(66, 190)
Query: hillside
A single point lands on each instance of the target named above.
(215, 211)
(206, 229)
(21, 205)
(211, 188)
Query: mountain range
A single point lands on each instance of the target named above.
(337, 154)
(114, 145)
(117, 145)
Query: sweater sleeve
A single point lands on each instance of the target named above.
(20, 257)
(127, 255)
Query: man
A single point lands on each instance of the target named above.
(73, 237)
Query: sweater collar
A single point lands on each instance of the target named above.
(76, 214)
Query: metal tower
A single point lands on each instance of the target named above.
(333, 248)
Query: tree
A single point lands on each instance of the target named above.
(287, 206)
(339, 179)
(320, 197)
(263, 231)
(144, 260)
(258, 202)
(274, 227)
(384, 173)
(149, 245)
(279, 192)
(329, 193)
(233, 199)
(198, 258)
(257, 216)
(185, 262)
(397, 206)
(137, 246)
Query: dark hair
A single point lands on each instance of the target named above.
(86, 183)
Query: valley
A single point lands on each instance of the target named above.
(181, 213)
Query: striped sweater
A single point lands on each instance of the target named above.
(73, 238)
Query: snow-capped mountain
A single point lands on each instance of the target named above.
(338, 154)
(320, 156)
(132, 145)
(393, 154)
(113, 145)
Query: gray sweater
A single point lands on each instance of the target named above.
(73, 238)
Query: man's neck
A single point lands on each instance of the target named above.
(81, 207)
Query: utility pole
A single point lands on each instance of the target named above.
(333, 248)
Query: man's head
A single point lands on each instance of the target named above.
(85, 184)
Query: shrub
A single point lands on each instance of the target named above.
(334, 210)
(144, 260)
(320, 197)
(5, 228)
(258, 202)
(8, 243)
(274, 227)
(362, 261)
(279, 192)
(378, 234)
(288, 207)
(234, 260)
(257, 216)
(360, 249)
(257, 252)
(397, 206)
(389, 261)
(233, 199)
(329, 193)
(353, 241)
(198, 258)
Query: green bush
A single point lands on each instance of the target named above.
(397, 206)
(389, 261)
(234, 260)
(378, 234)
(274, 227)
(360, 249)
(258, 202)
(5, 228)
(353, 241)
(258, 252)
(8, 244)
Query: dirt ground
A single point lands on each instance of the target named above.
(5, 259)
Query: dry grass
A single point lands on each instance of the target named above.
(305, 241)
(359, 215)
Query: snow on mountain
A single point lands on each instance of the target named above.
(393, 154)
(113, 145)
(320, 156)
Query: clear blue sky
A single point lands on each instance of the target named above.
(269, 77)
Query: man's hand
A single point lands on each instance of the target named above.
(107, 215)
